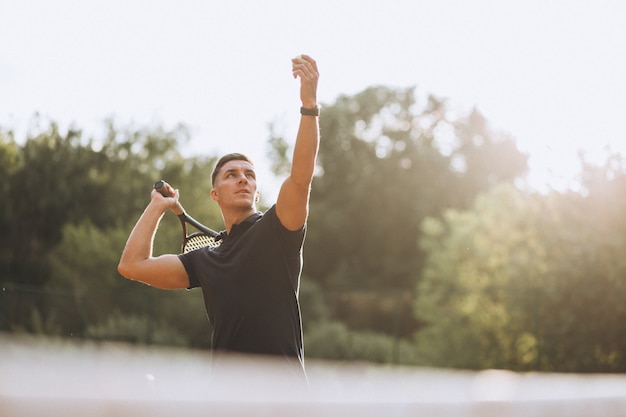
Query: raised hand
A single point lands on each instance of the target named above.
(305, 67)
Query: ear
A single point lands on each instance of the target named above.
(257, 196)
(214, 195)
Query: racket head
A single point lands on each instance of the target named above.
(202, 237)
(198, 240)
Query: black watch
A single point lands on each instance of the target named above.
(315, 111)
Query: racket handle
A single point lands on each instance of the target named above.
(162, 189)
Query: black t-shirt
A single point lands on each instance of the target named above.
(250, 285)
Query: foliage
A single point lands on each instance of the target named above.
(386, 162)
(335, 341)
(481, 263)
(136, 329)
(419, 250)
(527, 282)
(73, 203)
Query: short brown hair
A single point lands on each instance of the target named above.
(227, 158)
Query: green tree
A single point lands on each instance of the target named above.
(48, 188)
(386, 162)
(9, 163)
(484, 268)
(528, 281)
(103, 305)
(587, 326)
(73, 203)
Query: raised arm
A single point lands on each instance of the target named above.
(292, 206)
(137, 262)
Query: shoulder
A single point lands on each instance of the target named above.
(292, 205)
(294, 237)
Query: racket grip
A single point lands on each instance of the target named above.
(162, 189)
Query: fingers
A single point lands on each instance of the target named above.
(170, 190)
(305, 67)
(165, 201)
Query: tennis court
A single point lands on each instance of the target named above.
(62, 378)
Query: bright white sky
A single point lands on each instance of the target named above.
(550, 73)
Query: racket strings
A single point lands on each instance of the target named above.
(199, 240)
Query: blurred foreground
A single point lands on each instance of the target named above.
(60, 378)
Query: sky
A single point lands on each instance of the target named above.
(551, 74)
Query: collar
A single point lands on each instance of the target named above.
(245, 224)
(252, 218)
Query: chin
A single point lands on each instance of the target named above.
(245, 204)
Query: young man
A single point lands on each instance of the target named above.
(250, 282)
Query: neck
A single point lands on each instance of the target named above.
(232, 217)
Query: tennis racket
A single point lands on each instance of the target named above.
(201, 238)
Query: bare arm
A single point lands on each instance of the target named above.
(137, 262)
(292, 206)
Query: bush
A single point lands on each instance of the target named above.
(333, 340)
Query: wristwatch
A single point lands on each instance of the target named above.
(315, 111)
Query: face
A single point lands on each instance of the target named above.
(235, 185)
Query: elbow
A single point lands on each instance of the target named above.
(121, 269)
(124, 269)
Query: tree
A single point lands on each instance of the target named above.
(484, 268)
(587, 245)
(48, 188)
(528, 281)
(72, 205)
(105, 306)
(9, 163)
(386, 162)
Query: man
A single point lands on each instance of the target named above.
(250, 282)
